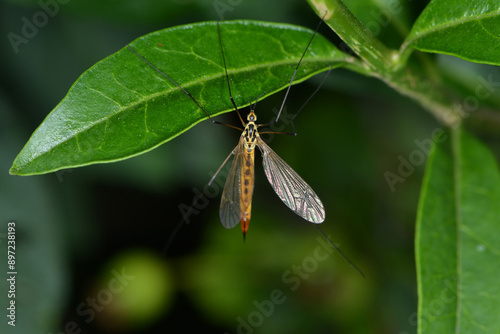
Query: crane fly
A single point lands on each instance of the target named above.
(236, 201)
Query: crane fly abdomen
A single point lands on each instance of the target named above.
(246, 188)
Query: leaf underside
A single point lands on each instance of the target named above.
(122, 107)
(457, 246)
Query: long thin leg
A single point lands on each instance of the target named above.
(294, 133)
(277, 133)
(339, 251)
(218, 170)
(227, 76)
(181, 88)
(295, 72)
(312, 95)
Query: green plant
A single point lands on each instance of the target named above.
(103, 119)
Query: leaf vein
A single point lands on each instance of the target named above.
(127, 88)
(105, 96)
(450, 24)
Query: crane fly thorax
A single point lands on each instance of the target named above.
(250, 133)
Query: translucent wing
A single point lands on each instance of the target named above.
(230, 211)
(290, 187)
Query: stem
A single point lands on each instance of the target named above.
(375, 54)
(379, 61)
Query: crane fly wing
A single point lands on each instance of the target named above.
(290, 187)
(230, 211)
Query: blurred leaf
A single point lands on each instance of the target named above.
(144, 291)
(463, 28)
(41, 241)
(122, 107)
(309, 273)
(457, 239)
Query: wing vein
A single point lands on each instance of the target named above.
(230, 211)
(290, 187)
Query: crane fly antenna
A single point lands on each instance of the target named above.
(295, 72)
(255, 104)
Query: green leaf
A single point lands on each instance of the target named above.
(122, 107)
(457, 242)
(463, 28)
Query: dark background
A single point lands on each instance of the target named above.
(77, 229)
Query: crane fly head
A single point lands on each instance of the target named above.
(252, 117)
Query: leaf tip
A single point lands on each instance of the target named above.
(13, 171)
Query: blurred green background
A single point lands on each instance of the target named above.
(102, 249)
